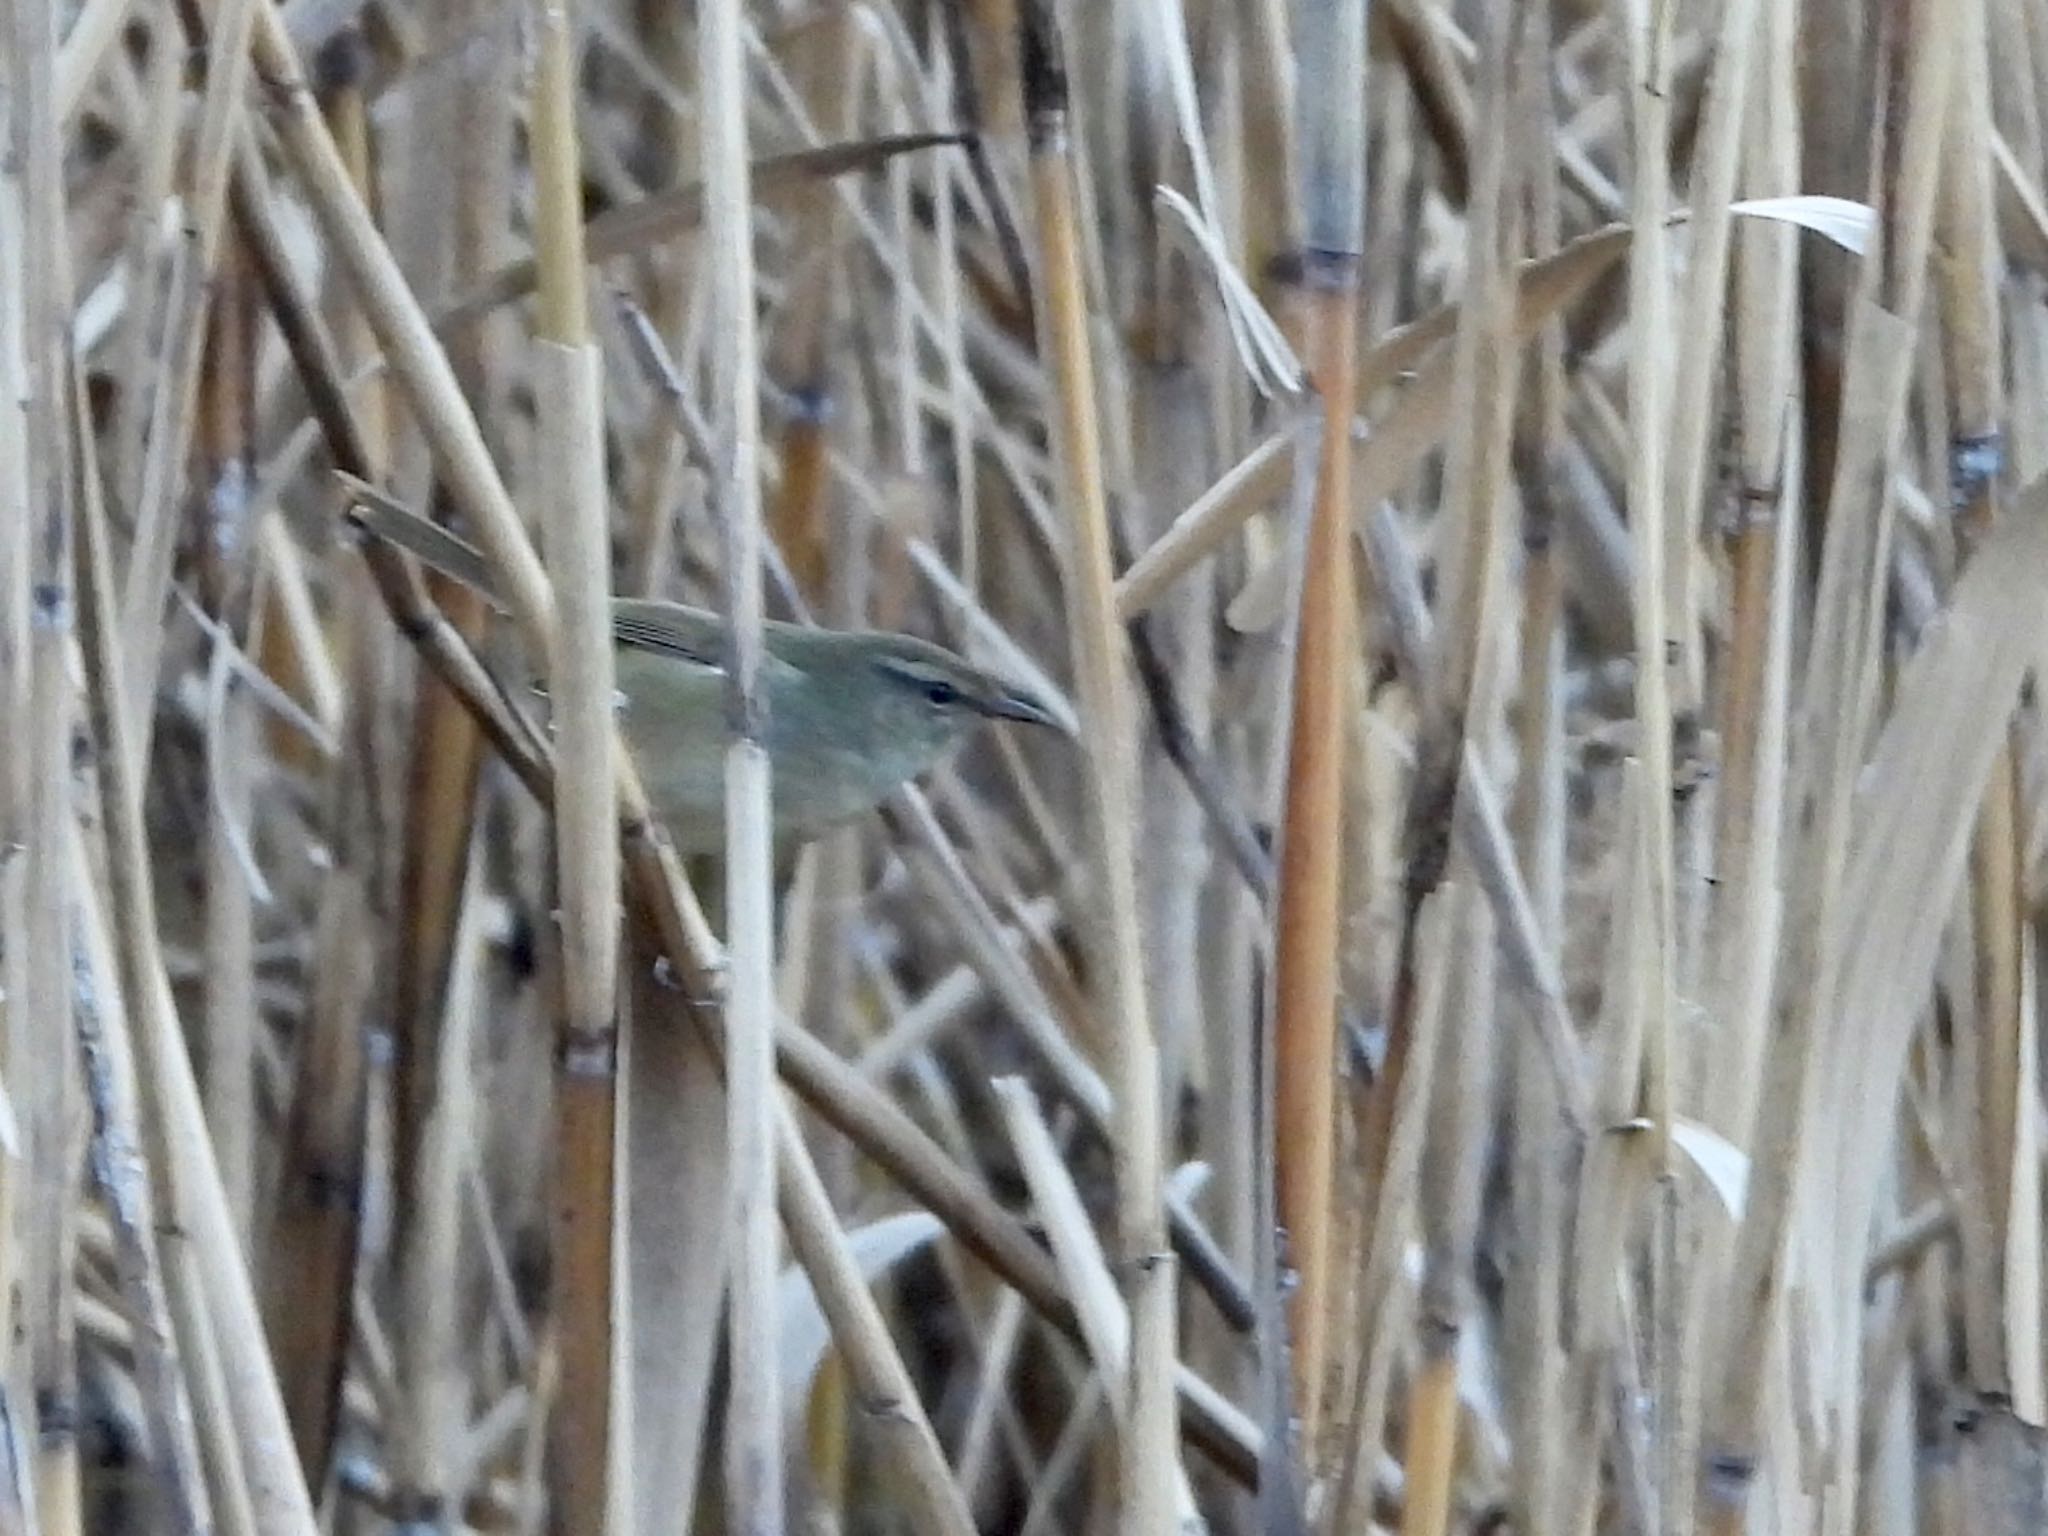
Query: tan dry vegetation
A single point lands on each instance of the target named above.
(1518, 1008)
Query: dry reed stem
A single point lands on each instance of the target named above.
(576, 537)
(317, 1219)
(427, 1352)
(1147, 1271)
(1383, 1300)
(754, 1430)
(1308, 894)
(1453, 1175)
(233, 880)
(1306, 915)
(675, 1238)
(2003, 1321)
(38, 1047)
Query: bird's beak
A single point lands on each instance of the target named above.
(1015, 704)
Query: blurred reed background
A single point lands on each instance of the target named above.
(1519, 1011)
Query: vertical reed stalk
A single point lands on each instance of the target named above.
(1460, 1121)
(1650, 25)
(1698, 346)
(754, 1423)
(446, 750)
(1537, 1171)
(1751, 709)
(18, 757)
(798, 360)
(226, 420)
(2003, 1314)
(1650, 32)
(37, 1047)
(316, 1222)
(576, 535)
(1145, 1264)
(1331, 36)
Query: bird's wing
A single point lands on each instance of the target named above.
(686, 634)
(374, 512)
(669, 629)
(641, 624)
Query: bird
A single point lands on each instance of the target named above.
(852, 715)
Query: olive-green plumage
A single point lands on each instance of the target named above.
(851, 715)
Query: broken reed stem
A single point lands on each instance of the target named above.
(675, 1241)
(1428, 1466)
(754, 1417)
(1146, 1265)
(575, 509)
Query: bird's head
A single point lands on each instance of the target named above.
(852, 715)
(937, 695)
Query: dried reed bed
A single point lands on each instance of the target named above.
(1516, 1007)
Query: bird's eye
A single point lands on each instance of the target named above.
(941, 694)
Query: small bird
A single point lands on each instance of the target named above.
(852, 714)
